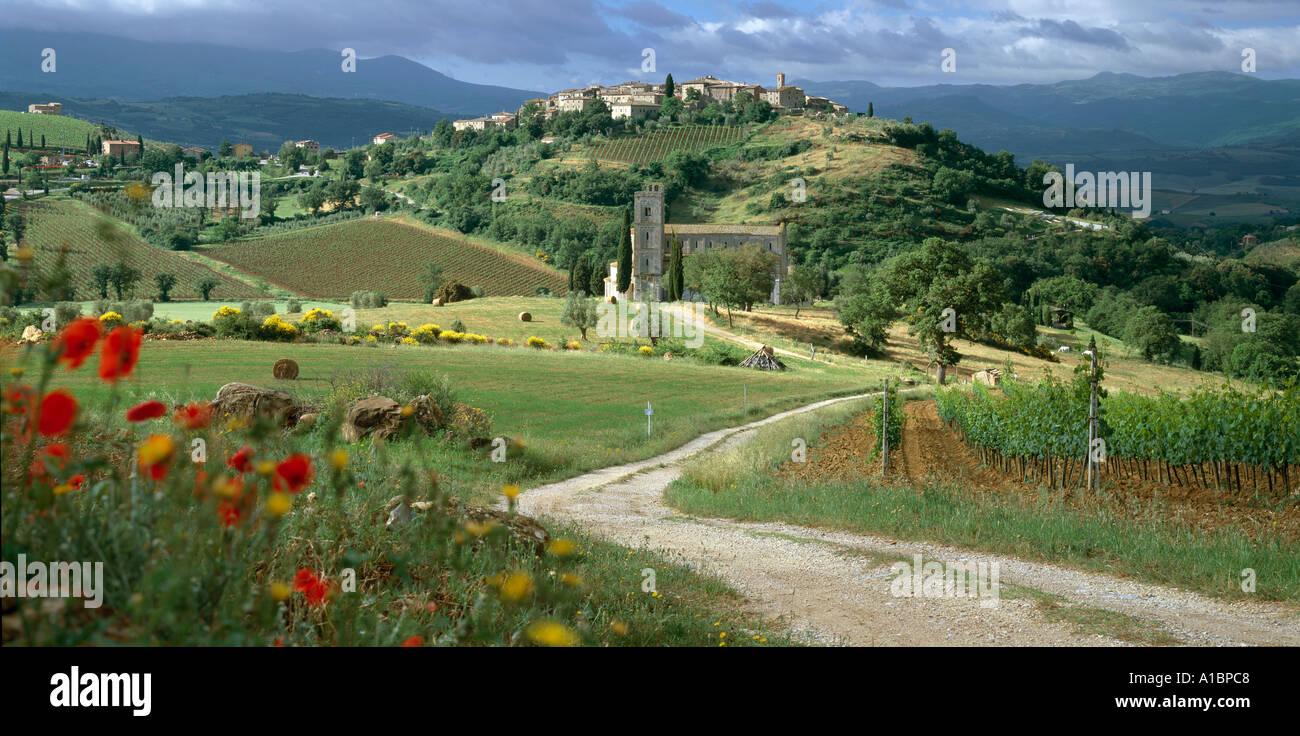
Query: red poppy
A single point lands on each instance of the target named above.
(414, 641)
(294, 474)
(314, 589)
(228, 513)
(242, 460)
(77, 341)
(155, 455)
(76, 481)
(58, 412)
(20, 400)
(197, 415)
(146, 411)
(120, 353)
(53, 456)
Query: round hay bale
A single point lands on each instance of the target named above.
(613, 300)
(437, 302)
(525, 317)
(285, 368)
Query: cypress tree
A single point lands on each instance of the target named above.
(42, 140)
(596, 277)
(581, 274)
(669, 87)
(676, 275)
(573, 265)
(4, 168)
(140, 139)
(20, 137)
(625, 254)
(870, 112)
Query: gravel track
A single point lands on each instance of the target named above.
(834, 587)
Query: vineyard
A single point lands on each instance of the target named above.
(1213, 439)
(92, 239)
(336, 260)
(657, 144)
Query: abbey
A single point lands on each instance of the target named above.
(652, 241)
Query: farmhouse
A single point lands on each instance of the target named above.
(242, 150)
(117, 148)
(383, 138)
(652, 238)
(308, 145)
(46, 108)
(500, 119)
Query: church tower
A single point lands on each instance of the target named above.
(648, 242)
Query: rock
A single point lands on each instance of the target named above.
(285, 368)
(31, 333)
(307, 420)
(668, 356)
(427, 413)
(247, 402)
(525, 317)
(379, 416)
(524, 529)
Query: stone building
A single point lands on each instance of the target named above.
(46, 108)
(652, 239)
(117, 148)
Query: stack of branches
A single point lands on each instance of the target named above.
(763, 359)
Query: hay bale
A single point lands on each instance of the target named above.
(437, 302)
(525, 317)
(286, 369)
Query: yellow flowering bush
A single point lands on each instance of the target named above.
(426, 333)
(539, 343)
(398, 329)
(275, 328)
(226, 311)
(646, 350)
(505, 341)
(574, 345)
(315, 314)
(110, 319)
(409, 341)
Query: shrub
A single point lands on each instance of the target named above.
(65, 312)
(110, 319)
(458, 326)
(275, 328)
(294, 306)
(574, 345)
(427, 333)
(398, 329)
(233, 322)
(505, 341)
(454, 291)
(646, 350)
(317, 320)
(539, 343)
(261, 309)
(368, 300)
(478, 291)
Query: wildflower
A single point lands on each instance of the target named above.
(293, 474)
(278, 504)
(561, 547)
(16, 371)
(414, 641)
(228, 513)
(264, 467)
(58, 412)
(314, 589)
(197, 415)
(76, 342)
(241, 460)
(143, 412)
(552, 633)
(516, 586)
(20, 400)
(571, 579)
(120, 352)
(618, 627)
(227, 486)
(155, 454)
(339, 459)
(479, 529)
(510, 491)
(280, 592)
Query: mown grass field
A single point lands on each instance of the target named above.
(574, 411)
(92, 239)
(383, 255)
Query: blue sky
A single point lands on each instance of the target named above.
(560, 43)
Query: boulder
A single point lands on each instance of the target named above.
(31, 333)
(285, 368)
(379, 416)
(243, 401)
(525, 317)
(524, 529)
(307, 420)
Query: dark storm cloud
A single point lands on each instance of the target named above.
(1071, 31)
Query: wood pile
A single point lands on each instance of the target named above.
(763, 359)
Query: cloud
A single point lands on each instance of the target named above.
(653, 15)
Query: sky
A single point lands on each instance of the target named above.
(550, 44)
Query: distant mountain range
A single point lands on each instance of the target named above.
(93, 66)
(1106, 112)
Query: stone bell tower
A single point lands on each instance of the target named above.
(648, 242)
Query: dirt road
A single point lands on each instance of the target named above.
(834, 587)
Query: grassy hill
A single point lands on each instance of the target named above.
(92, 238)
(384, 255)
(56, 128)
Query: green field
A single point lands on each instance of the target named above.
(383, 255)
(92, 239)
(57, 129)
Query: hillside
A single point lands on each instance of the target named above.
(92, 239)
(383, 255)
(57, 129)
(264, 120)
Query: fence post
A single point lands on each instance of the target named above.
(884, 430)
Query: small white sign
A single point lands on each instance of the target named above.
(648, 410)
